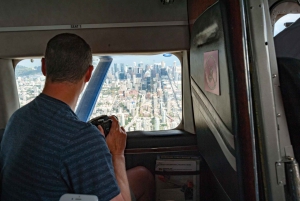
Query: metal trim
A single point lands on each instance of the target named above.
(161, 149)
(271, 140)
(93, 26)
(90, 96)
(249, 90)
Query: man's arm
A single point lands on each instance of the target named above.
(121, 176)
(116, 142)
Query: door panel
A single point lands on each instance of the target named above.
(143, 147)
(213, 97)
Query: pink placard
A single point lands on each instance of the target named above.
(211, 72)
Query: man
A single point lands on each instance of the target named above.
(47, 151)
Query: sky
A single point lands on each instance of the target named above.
(279, 25)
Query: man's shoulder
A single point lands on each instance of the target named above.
(22, 112)
(89, 129)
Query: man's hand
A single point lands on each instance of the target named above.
(116, 139)
(116, 142)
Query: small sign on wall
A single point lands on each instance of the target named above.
(211, 72)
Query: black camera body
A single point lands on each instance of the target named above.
(104, 121)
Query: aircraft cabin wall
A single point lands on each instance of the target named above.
(241, 184)
(8, 92)
(109, 26)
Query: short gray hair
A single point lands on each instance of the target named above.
(67, 57)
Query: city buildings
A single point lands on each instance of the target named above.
(144, 96)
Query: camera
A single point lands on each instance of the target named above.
(104, 121)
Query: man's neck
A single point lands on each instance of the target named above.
(65, 92)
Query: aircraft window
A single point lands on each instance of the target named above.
(30, 80)
(284, 22)
(144, 92)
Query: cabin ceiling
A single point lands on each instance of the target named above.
(272, 2)
(56, 12)
(109, 26)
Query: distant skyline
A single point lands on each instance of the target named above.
(126, 59)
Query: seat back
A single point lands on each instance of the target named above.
(289, 76)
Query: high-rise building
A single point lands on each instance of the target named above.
(166, 96)
(116, 75)
(122, 120)
(159, 85)
(130, 70)
(122, 66)
(157, 67)
(139, 70)
(134, 79)
(141, 64)
(159, 92)
(154, 86)
(155, 102)
(163, 71)
(156, 123)
(122, 76)
(138, 124)
(143, 99)
(128, 76)
(161, 107)
(144, 86)
(132, 111)
(144, 123)
(148, 80)
(115, 69)
(164, 117)
(168, 106)
(128, 105)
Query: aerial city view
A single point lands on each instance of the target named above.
(144, 94)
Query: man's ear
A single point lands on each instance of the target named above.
(44, 66)
(88, 74)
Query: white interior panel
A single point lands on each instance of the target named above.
(117, 40)
(9, 98)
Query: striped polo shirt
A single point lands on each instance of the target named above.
(47, 151)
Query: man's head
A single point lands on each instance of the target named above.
(67, 58)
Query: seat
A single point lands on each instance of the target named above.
(287, 43)
(289, 76)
